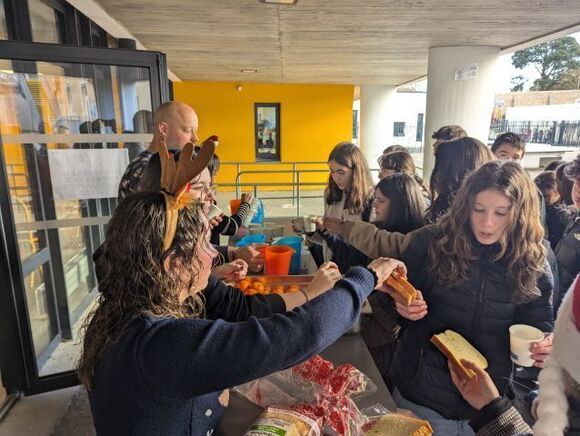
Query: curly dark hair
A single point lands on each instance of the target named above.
(572, 171)
(132, 276)
(448, 133)
(452, 249)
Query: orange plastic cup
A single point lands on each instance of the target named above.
(235, 205)
(277, 260)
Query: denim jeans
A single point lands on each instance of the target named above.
(441, 426)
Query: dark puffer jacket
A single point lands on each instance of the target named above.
(568, 256)
(480, 309)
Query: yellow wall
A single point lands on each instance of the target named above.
(314, 118)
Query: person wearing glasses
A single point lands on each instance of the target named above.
(228, 225)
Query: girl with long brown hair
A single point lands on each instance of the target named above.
(348, 196)
(481, 269)
(151, 361)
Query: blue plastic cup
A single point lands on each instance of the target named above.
(296, 243)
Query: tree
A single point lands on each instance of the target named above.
(517, 83)
(553, 60)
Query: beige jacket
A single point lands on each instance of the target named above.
(337, 211)
(372, 241)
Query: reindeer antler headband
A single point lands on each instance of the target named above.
(175, 177)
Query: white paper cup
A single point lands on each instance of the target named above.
(521, 339)
(213, 212)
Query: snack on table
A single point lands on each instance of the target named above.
(456, 347)
(298, 420)
(257, 285)
(395, 424)
(404, 293)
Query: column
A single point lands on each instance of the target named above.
(377, 108)
(461, 83)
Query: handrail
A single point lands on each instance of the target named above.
(295, 184)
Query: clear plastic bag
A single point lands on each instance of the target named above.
(289, 421)
(316, 383)
(378, 420)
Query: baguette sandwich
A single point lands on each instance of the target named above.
(404, 293)
(455, 347)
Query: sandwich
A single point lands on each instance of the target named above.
(404, 293)
(395, 424)
(455, 347)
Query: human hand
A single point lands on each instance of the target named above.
(215, 221)
(247, 197)
(478, 391)
(384, 267)
(331, 225)
(541, 350)
(417, 309)
(324, 279)
(235, 270)
(319, 223)
(252, 256)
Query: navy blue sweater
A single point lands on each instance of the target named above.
(164, 376)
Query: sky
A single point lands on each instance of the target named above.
(508, 71)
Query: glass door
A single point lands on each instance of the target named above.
(68, 129)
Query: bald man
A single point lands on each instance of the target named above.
(179, 123)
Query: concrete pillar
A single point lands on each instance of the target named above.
(461, 82)
(377, 108)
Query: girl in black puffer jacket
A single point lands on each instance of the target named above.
(481, 269)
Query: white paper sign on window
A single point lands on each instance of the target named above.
(86, 174)
(467, 72)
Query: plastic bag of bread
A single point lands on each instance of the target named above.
(297, 420)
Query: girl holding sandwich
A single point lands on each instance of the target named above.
(481, 269)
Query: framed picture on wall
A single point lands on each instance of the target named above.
(267, 128)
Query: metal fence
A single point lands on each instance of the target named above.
(563, 133)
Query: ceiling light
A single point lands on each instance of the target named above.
(279, 2)
(248, 70)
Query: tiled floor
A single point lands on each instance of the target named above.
(36, 415)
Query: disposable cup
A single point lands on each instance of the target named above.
(521, 339)
(213, 212)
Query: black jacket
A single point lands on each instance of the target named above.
(558, 217)
(480, 309)
(568, 256)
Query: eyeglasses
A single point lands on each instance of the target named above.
(204, 189)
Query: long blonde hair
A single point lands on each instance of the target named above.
(452, 250)
(361, 190)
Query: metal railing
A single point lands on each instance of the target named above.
(296, 184)
(562, 133)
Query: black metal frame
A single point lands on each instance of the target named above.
(276, 157)
(19, 366)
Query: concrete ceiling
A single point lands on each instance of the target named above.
(325, 41)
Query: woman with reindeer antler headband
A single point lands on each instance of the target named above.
(151, 361)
